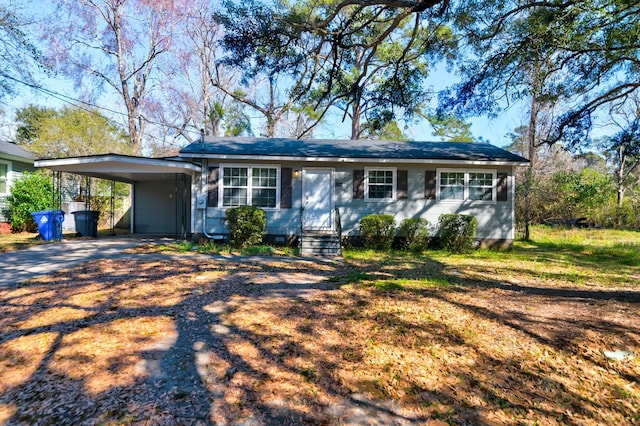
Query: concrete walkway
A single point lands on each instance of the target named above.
(21, 265)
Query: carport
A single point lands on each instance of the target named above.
(161, 188)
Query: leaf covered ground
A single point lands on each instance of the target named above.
(489, 338)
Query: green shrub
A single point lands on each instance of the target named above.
(31, 193)
(247, 225)
(377, 231)
(416, 233)
(457, 231)
(626, 216)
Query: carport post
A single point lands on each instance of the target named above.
(56, 202)
(180, 208)
(184, 206)
(132, 208)
(113, 184)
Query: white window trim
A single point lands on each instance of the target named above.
(249, 182)
(465, 198)
(8, 177)
(394, 183)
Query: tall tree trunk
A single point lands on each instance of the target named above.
(620, 196)
(130, 102)
(270, 114)
(530, 173)
(620, 175)
(271, 127)
(356, 114)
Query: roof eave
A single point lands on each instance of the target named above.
(12, 157)
(245, 157)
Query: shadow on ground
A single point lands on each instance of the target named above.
(226, 342)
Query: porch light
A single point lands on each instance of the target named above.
(296, 173)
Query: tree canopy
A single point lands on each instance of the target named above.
(17, 52)
(368, 59)
(623, 153)
(69, 132)
(114, 46)
(582, 55)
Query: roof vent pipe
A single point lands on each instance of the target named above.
(201, 139)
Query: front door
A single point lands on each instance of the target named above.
(317, 199)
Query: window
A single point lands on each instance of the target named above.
(452, 186)
(264, 187)
(463, 185)
(4, 178)
(481, 186)
(234, 183)
(250, 185)
(380, 184)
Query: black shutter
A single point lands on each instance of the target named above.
(502, 186)
(358, 184)
(401, 188)
(286, 174)
(212, 199)
(430, 183)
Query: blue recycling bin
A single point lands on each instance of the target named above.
(49, 224)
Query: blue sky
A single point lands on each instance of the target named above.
(493, 130)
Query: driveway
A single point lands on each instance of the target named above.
(22, 265)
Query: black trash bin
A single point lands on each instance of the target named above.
(86, 222)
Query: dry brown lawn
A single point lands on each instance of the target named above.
(390, 340)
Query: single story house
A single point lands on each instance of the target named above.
(14, 160)
(311, 187)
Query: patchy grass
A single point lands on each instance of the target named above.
(17, 241)
(513, 337)
(211, 247)
(553, 257)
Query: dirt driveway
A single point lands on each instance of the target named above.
(184, 339)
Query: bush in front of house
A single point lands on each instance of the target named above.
(378, 231)
(416, 233)
(247, 225)
(31, 193)
(457, 231)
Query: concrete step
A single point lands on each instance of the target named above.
(326, 244)
(319, 251)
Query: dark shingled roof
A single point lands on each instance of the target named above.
(14, 150)
(361, 149)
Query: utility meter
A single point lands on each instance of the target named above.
(201, 201)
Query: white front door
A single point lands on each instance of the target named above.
(317, 199)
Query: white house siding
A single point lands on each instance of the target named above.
(285, 222)
(16, 170)
(495, 220)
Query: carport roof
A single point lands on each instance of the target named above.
(118, 167)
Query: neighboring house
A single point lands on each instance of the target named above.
(14, 160)
(314, 187)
